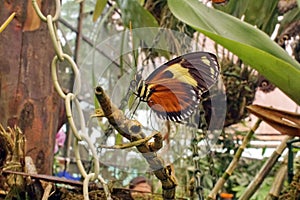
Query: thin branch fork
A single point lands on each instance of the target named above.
(131, 129)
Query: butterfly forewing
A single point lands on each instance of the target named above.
(173, 90)
(199, 69)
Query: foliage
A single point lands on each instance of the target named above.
(261, 194)
(250, 44)
(292, 190)
(248, 9)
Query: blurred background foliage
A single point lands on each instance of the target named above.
(110, 52)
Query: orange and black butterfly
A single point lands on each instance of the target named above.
(173, 91)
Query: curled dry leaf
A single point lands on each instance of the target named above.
(287, 123)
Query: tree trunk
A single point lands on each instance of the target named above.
(27, 95)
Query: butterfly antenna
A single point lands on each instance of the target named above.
(135, 107)
(151, 120)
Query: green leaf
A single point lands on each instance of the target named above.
(250, 44)
(100, 5)
(267, 9)
(268, 15)
(234, 8)
(134, 13)
(136, 17)
(288, 18)
(239, 190)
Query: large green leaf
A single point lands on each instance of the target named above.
(253, 46)
(267, 9)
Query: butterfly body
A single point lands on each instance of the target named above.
(173, 90)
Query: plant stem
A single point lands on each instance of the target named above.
(234, 162)
(278, 181)
(258, 179)
(9, 19)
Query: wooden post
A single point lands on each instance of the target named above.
(27, 95)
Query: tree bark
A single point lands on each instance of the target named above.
(27, 95)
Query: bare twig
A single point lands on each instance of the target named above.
(88, 41)
(9, 19)
(131, 144)
(278, 181)
(79, 31)
(47, 191)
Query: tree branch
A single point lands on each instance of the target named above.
(131, 129)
